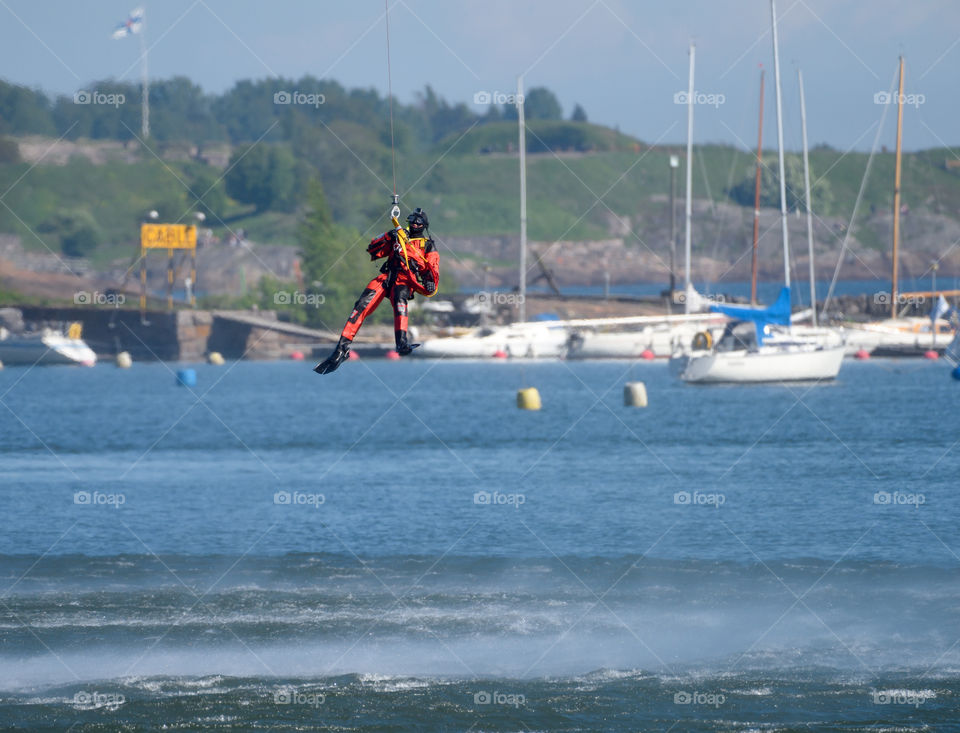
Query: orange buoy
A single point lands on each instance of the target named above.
(392, 355)
(647, 354)
(862, 354)
(931, 354)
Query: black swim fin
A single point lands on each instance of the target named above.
(339, 355)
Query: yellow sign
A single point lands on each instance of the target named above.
(168, 236)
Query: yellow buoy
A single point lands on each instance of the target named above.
(215, 358)
(124, 360)
(635, 394)
(528, 399)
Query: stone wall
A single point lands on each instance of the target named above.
(183, 335)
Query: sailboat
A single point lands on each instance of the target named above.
(586, 338)
(898, 336)
(760, 345)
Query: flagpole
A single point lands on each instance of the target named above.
(145, 80)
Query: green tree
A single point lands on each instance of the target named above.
(330, 155)
(442, 117)
(24, 111)
(579, 114)
(179, 110)
(103, 110)
(263, 175)
(821, 193)
(541, 104)
(76, 230)
(208, 193)
(248, 111)
(333, 263)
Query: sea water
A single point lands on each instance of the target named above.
(396, 546)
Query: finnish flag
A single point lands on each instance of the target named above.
(940, 308)
(131, 25)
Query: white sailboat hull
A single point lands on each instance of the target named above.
(662, 339)
(587, 338)
(533, 342)
(459, 347)
(767, 364)
(898, 337)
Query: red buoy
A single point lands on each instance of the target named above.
(392, 355)
(296, 355)
(499, 354)
(647, 354)
(862, 354)
(931, 354)
(352, 356)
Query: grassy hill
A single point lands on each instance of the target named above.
(479, 193)
(468, 183)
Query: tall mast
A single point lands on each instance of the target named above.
(896, 200)
(144, 80)
(756, 199)
(689, 197)
(783, 178)
(806, 183)
(523, 200)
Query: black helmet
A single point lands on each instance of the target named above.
(418, 219)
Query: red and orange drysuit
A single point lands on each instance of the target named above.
(409, 270)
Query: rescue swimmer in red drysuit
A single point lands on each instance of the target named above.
(409, 269)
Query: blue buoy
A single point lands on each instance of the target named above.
(956, 372)
(187, 377)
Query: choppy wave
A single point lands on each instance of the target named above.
(602, 699)
(86, 618)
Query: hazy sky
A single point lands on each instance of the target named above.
(622, 60)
